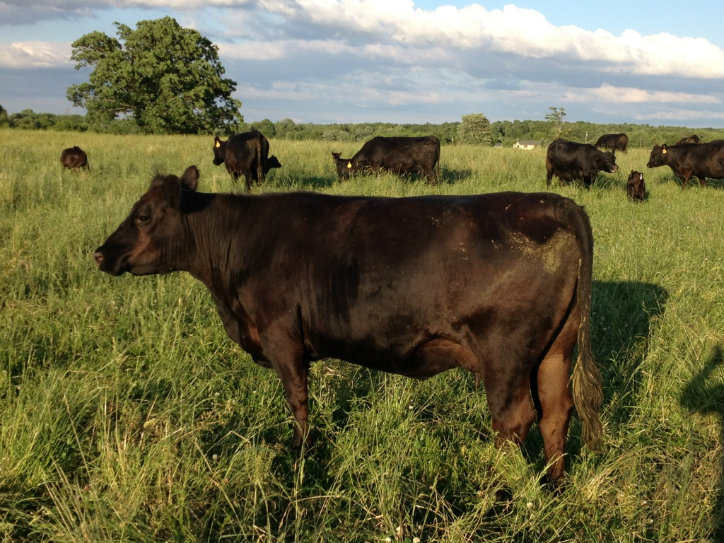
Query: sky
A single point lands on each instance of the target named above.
(407, 61)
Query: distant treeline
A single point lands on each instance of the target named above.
(504, 133)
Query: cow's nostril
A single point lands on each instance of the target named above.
(98, 257)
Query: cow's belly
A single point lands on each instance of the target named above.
(397, 328)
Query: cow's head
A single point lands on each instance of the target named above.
(151, 238)
(658, 156)
(219, 151)
(635, 186)
(271, 162)
(343, 166)
(607, 162)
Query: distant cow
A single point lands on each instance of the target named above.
(245, 154)
(689, 160)
(569, 161)
(613, 142)
(499, 284)
(74, 157)
(635, 187)
(691, 139)
(399, 155)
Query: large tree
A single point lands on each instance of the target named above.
(167, 77)
(475, 128)
(557, 118)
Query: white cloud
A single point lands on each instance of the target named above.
(621, 95)
(520, 31)
(396, 29)
(348, 55)
(683, 115)
(35, 54)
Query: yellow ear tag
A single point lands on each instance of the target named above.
(217, 145)
(663, 151)
(349, 164)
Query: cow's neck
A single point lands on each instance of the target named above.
(215, 233)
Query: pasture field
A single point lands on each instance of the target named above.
(127, 414)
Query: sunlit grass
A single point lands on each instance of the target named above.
(126, 413)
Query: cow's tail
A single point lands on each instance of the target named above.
(586, 378)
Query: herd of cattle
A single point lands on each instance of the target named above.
(247, 154)
(499, 284)
(688, 158)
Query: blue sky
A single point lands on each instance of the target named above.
(408, 61)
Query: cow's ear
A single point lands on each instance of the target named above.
(217, 142)
(663, 149)
(190, 178)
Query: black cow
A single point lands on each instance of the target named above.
(245, 154)
(499, 284)
(613, 142)
(399, 155)
(74, 157)
(569, 161)
(689, 160)
(635, 187)
(690, 139)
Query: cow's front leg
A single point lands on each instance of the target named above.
(292, 367)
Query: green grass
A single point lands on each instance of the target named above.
(126, 413)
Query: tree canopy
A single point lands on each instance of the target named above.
(475, 128)
(168, 78)
(557, 118)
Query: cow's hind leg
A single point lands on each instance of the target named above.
(554, 398)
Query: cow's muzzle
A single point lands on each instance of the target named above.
(104, 265)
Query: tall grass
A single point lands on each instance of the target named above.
(126, 413)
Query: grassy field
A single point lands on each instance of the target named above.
(127, 414)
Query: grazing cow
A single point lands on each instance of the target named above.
(635, 187)
(245, 154)
(569, 160)
(498, 284)
(691, 139)
(399, 155)
(74, 157)
(613, 142)
(689, 160)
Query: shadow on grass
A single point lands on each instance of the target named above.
(312, 183)
(700, 395)
(622, 317)
(450, 177)
(693, 183)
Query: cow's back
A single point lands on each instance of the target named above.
(74, 157)
(711, 158)
(391, 273)
(400, 154)
(569, 157)
(696, 159)
(240, 150)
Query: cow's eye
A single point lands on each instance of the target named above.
(143, 219)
